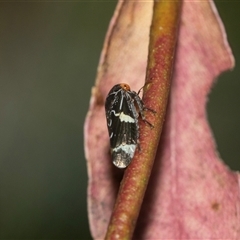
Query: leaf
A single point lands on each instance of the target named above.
(191, 193)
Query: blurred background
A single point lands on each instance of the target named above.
(49, 53)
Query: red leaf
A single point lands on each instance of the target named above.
(191, 193)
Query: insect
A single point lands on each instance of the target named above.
(123, 108)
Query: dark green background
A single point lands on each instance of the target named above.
(49, 53)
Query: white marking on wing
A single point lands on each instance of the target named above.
(126, 118)
(127, 148)
(123, 117)
(121, 102)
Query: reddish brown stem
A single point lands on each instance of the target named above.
(163, 37)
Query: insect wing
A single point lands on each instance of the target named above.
(122, 126)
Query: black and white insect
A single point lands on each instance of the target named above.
(123, 108)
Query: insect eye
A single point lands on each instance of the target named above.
(125, 86)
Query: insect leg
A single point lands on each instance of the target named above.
(142, 108)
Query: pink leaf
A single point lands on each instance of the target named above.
(191, 193)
